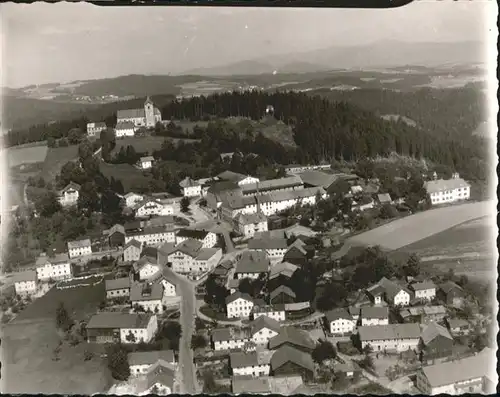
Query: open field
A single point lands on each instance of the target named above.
(146, 143)
(405, 231)
(126, 173)
(56, 158)
(26, 154)
(28, 366)
(80, 302)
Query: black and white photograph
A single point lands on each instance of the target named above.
(234, 200)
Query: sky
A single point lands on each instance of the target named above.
(62, 42)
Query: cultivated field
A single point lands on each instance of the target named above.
(56, 158)
(408, 230)
(28, 365)
(146, 144)
(26, 154)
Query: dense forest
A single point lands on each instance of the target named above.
(327, 131)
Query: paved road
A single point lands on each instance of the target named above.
(188, 382)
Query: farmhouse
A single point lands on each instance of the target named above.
(115, 236)
(294, 337)
(371, 316)
(146, 162)
(190, 188)
(250, 363)
(283, 270)
(95, 128)
(274, 248)
(340, 322)
(229, 338)
(115, 327)
(297, 253)
(132, 250)
(239, 305)
(124, 128)
(190, 257)
(217, 191)
(423, 314)
(233, 203)
(150, 207)
(207, 239)
(450, 293)
(264, 328)
(391, 337)
(148, 296)
(448, 191)
(25, 283)
(395, 293)
(436, 343)
(469, 375)
(68, 196)
(159, 380)
(376, 294)
(146, 267)
(275, 312)
(53, 268)
(79, 248)
(288, 361)
(424, 291)
(282, 295)
(237, 178)
(117, 288)
(148, 116)
(458, 326)
(251, 265)
(249, 224)
(141, 362)
(154, 235)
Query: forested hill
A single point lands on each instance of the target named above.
(325, 130)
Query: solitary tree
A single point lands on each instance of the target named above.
(198, 342)
(185, 202)
(118, 362)
(63, 319)
(324, 350)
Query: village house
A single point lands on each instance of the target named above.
(288, 360)
(147, 117)
(275, 312)
(451, 294)
(79, 248)
(274, 248)
(423, 314)
(206, 238)
(141, 362)
(233, 203)
(153, 235)
(472, 374)
(447, 191)
(458, 326)
(146, 162)
(290, 183)
(374, 316)
(117, 288)
(68, 196)
(115, 327)
(217, 192)
(131, 199)
(395, 293)
(253, 363)
(25, 283)
(264, 328)
(124, 128)
(294, 337)
(159, 380)
(251, 265)
(238, 179)
(272, 203)
(239, 305)
(297, 253)
(282, 295)
(423, 291)
(384, 198)
(189, 257)
(151, 207)
(115, 236)
(95, 128)
(132, 250)
(148, 296)
(436, 343)
(249, 224)
(190, 188)
(146, 268)
(376, 294)
(229, 338)
(281, 273)
(56, 267)
(340, 322)
(391, 337)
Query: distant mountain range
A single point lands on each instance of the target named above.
(378, 55)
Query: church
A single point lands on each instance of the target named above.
(145, 117)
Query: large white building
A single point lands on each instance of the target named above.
(79, 248)
(340, 322)
(189, 257)
(249, 224)
(239, 305)
(374, 315)
(149, 296)
(443, 191)
(275, 312)
(68, 196)
(206, 238)
(152, 236)
(146, 268)
(132, 250)
(424, 291)
(148, 116)
(56, 267)
(237, 178)
(114, 327)
(391, 337)
(151, 207)
(25, 283)
(274, 248)
(95, 128)
(124, 129)
(229, 338)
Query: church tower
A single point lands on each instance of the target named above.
(149, 113)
